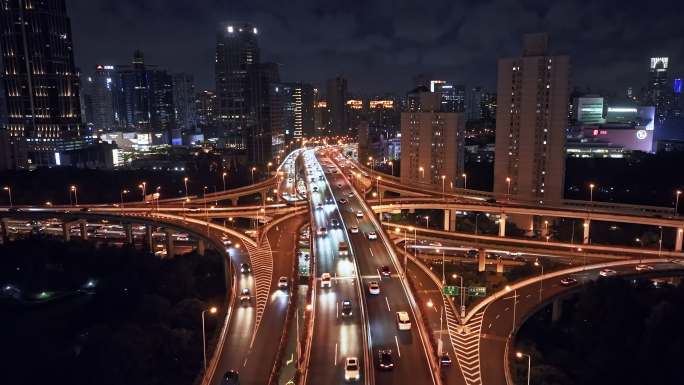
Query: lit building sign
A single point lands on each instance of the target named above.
(433, 82)
(322, 104)
(677, 88)
(355, 104)
(622, 109)
(382, 103)
(230, 29)
(656, 60)
(641, 134)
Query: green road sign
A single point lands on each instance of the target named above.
(451, 290)
(477, 291)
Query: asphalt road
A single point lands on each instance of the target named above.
(411, 365)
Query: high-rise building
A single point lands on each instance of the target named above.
(259, 137)
(185, 109)
(431, 142)
(452, 97)
(658, 91)
(337, 104)
(384, 117)
(41, 89)
(474, 105)
(589, 110)
(205, 102)
(103, 92)
(322, 122)
(293, 112)
(531, 118)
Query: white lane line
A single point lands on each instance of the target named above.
(335, 361)
(498, 315)
(337, 310)
(490, 325)
(396, 340)
(371, 251)
(387, 302)
(506, 309)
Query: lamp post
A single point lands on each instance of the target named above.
(252, 170)
(443, 192)
(223, 176)
(443, 277)
(392, 165)
(591, 192)
(211, 310)
(515, 304)
(422, 173)
(454, 276)
(411, 228)
(9, 192)
(75, 190)
(123, 192)
(538, 263)
(206, 212)
(370, 160)
(679, 192)
(187, 200)
(185, 181)
(465, 181)
(156, 197)
(529, 364)
(427, 222)
(508, 189)
(143, 187)
(377, 188)
(268, 168)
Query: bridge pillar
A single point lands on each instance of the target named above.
(678, 240)
(263, 194)
(169, 243)
(499, 266)
(557, 309)
(201, 247)
(84, 229)
(128, 228)
(452, 221)
(586, 225)
(447, 219)
(66, 231)
(481, 260)
(5, 230)
(234, 201)
(412, 211)
(502, 225)
(148, 237)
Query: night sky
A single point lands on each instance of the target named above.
(381, 44)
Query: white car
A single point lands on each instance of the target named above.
(374, 287)
(607, 273)
(354, 229)
(642, 267)
(245, 296)
(326, 280)
(282, 283)
(359, 214)
(372, 235)
(403, 321)
(352, 372)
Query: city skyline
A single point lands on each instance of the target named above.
(381, 48)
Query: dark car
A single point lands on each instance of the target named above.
(335, 223)
(444, 359)
(346, 308)
(385, 271)
(232, 377)
(385, 359)
(472, 253)
(245, 268)
(568, 281)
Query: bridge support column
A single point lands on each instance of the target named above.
(84, 229)
(452, 220)
(679, 238)
(234, 201)
(263, 194)
(447, 219)
(128, 228)
(499, 266)
(66, 231)
(148, 237)
(412, 211)
(201, 247)
(502, 225)
(586, 226)
(169, 244)
(5, 230)
(481, 260)
(556, 310)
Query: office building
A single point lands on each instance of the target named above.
(40, 82)
(384, 117)
(103, 94)
(531, 119)
(293, 112)
(431, 141)
(336, 98)
(658, 91)
(205, 105)
(185, 109)
(452, 97)
(322, 123)
(589, 110)
(476, 99)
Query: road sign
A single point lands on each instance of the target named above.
(451, 290)
(477, 291)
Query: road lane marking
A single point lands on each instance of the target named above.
(396, 340)
(498, 315)
(388, 306)
(337, 310)
(371, 251)
(335, 361)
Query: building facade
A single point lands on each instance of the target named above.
(337, 95)
(531, 120)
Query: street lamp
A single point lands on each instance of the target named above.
(465, 181)
(538, 263)
(591, 192)
(252, 170)
(211, 310)
(224, 180)
(443, 193)
(422, 173)
(75, 190)
(427, 222)
(185, 181)
(143, 187)
(508, 190)
(392, 165)
(679, 192)
(454, 276)
(268, 168)
(515, 304)
(123, 192)
(9, 192)
(529, 364)
(157, 197)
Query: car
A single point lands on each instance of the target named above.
(346, 308)
(282, 283)
(320, 177)
(403, 321)
(350, 194)
(359, 214)
(444, 359)
(328, 200)
(85, 209)
(568, 281)
(354, 229)
(385, 359)
(342, 249)
(374, 287)
(245, 296)
(322, 231)
(315, 189)
(319, 206)
(607, 273)
(326, 280)
(343, 201)
(472, 253)
(385, 271)
(334, 223)
(231, 377)
(339, 185)
(245, 268)
(372, 235)
(352, 372)
(642, 267)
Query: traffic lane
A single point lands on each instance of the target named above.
(428, 291)
(264, 348)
